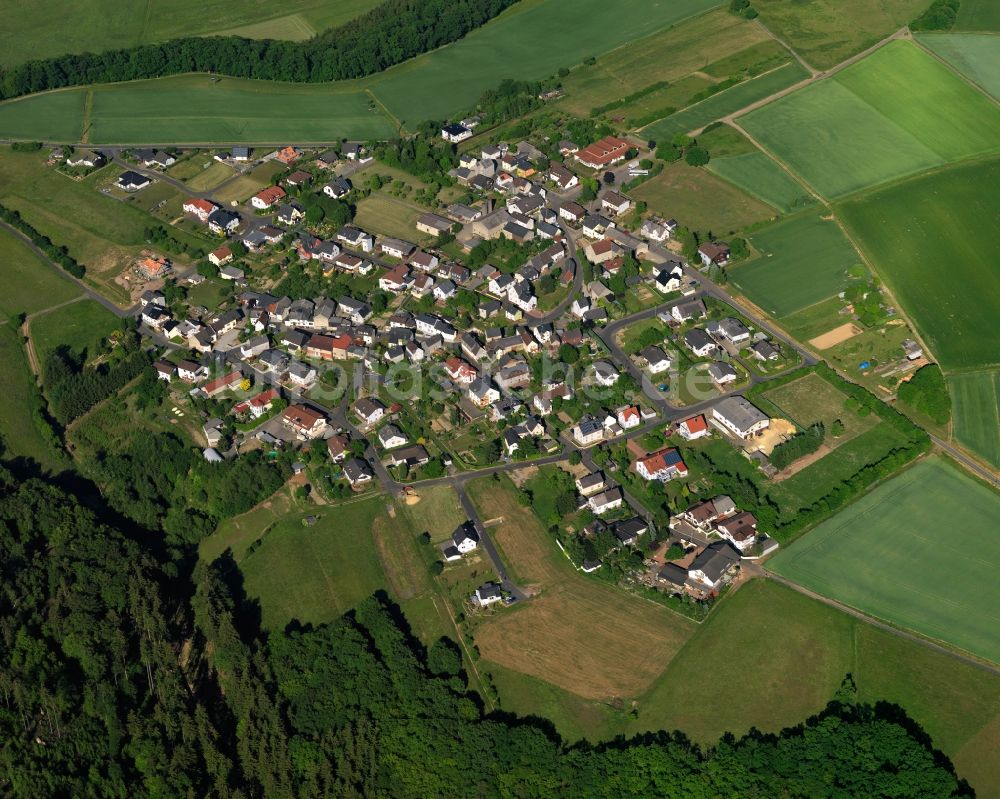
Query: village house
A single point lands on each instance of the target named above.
(391, 437)
(288, 155)
(688, 310)
(488, 594)
(223, 222)
(722, 373)
(699, 342)
(737, 416)
(588, 431)
(740, 530)
(713, 565)
(694, 428)
(432, 224)
(656, 359)
(304, 421)
(606, 501)
(370, 410)
(460, 371)
(336, 447)
(615, 204)
(714, 252)
(265, 198)
(664, 465)
(669, 280)
(356, 239)
(455, 133)
(358, 472)
(481, 393)
(220, 384)
(396, 248)
(132, 181)
(221, 256)
(603, 153)
(590, 484)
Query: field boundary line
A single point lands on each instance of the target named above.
(955, 71)
(88, 107)
(901, 632)
(811, 69)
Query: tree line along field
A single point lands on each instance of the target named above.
(803, 260)
(53, 28)
(529, 41)
(932, 239)
(975, 55)
(919, 551)
(897, 112)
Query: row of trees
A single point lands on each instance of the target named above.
(391, 33)
(802, 443)
(56, 253)
(927, 393)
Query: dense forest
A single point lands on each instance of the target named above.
(389, 34)
(125, 673)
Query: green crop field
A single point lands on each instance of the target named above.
(975, 55)
(783, 655)
(932, 239)
(758, 174)
(726, 102)
(975, 399)
(196, 108)
(29, 284)
(897, 112)
(918, 551)
(978, 15)
(314, 574)
(803, 260)
(826, 32)
(54, 28)
(529, 41)
(701, 201)
(81, 326)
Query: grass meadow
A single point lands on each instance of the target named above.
(81, 326)
(978, 15)
(897, 112)
(579, 634)
(30, 284)
(758, 175)
(53, 28)
(826, 32)
(932, 239)
(975, 55)
(803, 260)
(701, 201)
(975, 401)
(726, 102)
(919, 551)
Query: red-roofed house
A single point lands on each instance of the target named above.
(288, 155)
(629, 417)
(305, 422)
(220, 384)
(265, 198)
(663, 466)
(396, 279)
(221, 256)
(328, 347)
(607, 151)
(460, 371)
(202, 209)
(693, 428)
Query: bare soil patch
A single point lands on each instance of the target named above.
(836, 336)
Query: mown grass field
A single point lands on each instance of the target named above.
(29, 284)
(918, 551)
(783, 655)
(389, 216)
(812, 399)
(55, 116)
(758, 175)
(54, 28)
(701, 201)
(315, 574)
(897, 112)
(975, 55)
(726, 102)
(826, 32)
(18, 433)
(579, 634)
(81, 326)
(975, 401)
(803, 260)
(933, 239)
(529, 41)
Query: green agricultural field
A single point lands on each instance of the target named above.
(389, 216)
(314, 574)
(30, 284)
(55, 116)
(975, 55)
(726, 102)
(978, 15)
(975, 399)
(194, 108)
(54, 28)
(933, 239)
(826, 32)
(897, 112)
(530, 41)
(18, 433)
(783, 655)
(918, 551)
(803, 260)
(82, 326)
(693, 46)
(701, 201)
(758, 174)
